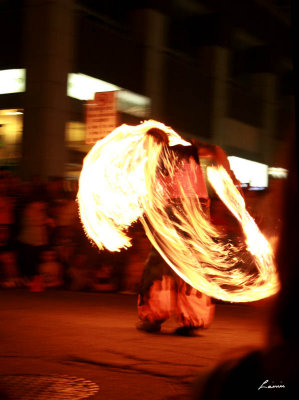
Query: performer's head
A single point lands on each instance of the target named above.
(159, 135)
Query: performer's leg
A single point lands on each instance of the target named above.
(157, 306)
(156, 297)
(194, 309)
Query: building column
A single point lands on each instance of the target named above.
(150, 26)
(48, 44)
(215, 64)
(266, 86)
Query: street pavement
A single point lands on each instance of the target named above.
(92, 336)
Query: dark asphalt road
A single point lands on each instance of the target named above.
(93, 336)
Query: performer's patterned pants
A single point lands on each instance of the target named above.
(164, 294)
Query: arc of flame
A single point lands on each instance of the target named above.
(121, 182)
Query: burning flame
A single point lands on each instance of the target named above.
(122, 181)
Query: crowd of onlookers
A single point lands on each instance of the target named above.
(43, 244)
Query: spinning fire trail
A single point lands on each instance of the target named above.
(122, 182)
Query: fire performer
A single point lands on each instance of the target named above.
(162, 292)
(149, 173)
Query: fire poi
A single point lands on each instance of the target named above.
(121, 182)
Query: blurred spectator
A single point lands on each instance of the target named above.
(55, 195)
(4, 237)
(35, 214)
(103, 279)
(64, 246)
(33, 236)
(6, 211)
(55, 189)
(50, 269)
(64, 212)
(63, 234)
(9, 270)
(26, 191)
(80, 274)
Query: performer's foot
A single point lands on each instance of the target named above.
(147, 326)
(188, 331)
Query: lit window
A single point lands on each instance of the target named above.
(12, 81)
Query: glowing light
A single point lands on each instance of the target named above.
(278, 172)
(13, 113)
(84, 87)
(12, 81)
(251, 172)
(12, 126)
(123, 180)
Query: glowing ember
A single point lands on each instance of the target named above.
(123, 180)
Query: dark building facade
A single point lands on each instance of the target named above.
(220, 71)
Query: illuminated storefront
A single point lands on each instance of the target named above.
(81, 87)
